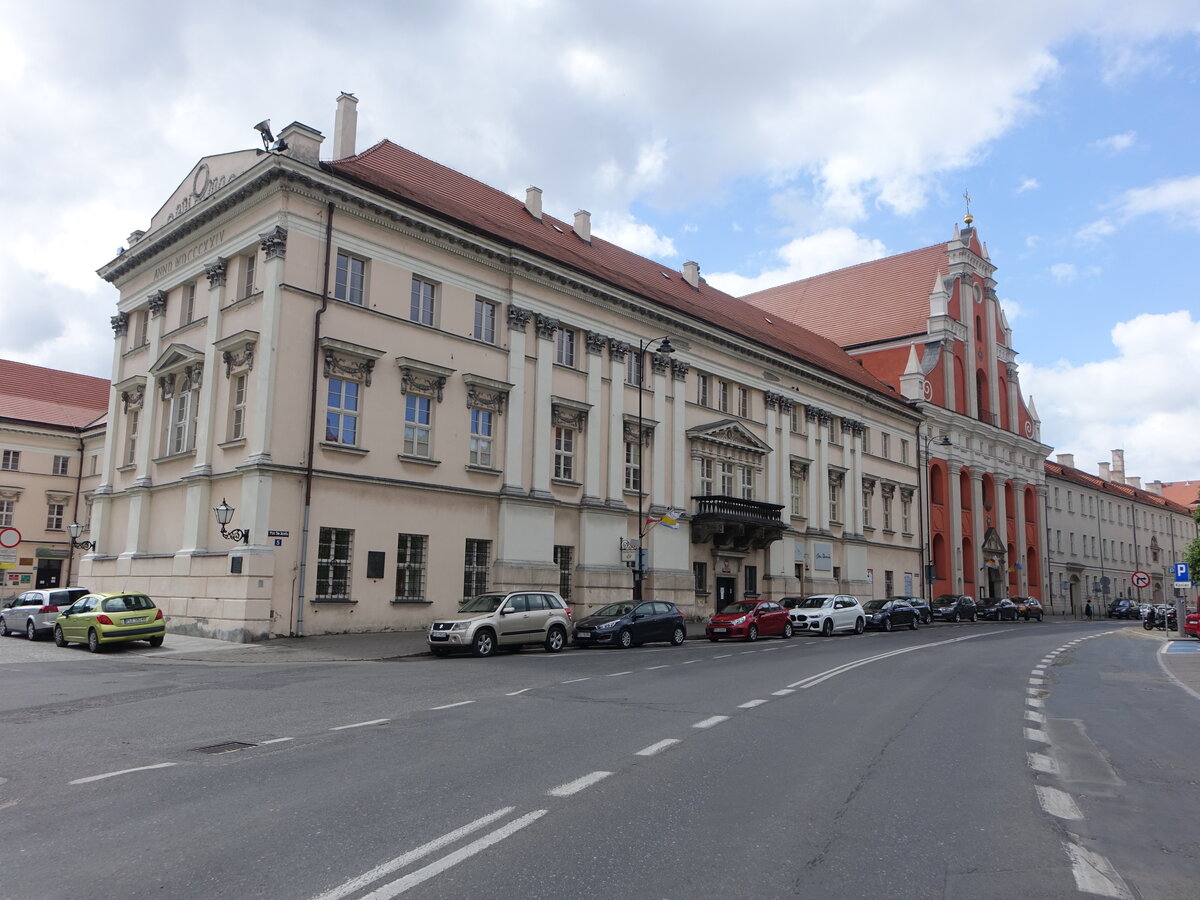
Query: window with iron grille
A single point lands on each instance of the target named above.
(481, 437)
(424, 296)
(564, 453)
(410, 567)
(350, 279)
(475, 567)
(54, 516)
(700, 573)
(485, 321)
(889, 583)
(11, 460)
(334, 546)
(751, 573)
(563, 559)
(62, 465)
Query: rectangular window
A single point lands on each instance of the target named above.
(350, 279)
(633, 466)
(418, 425)
(563, 559)
(866, 508)
(889, 583)
(904, 451)
(187, 305)
(866, 440)
(141, 320)
(726, 479)
(1057, 505)
(485, 321)
(341, 412)
(747, 483)
(237, 412)
(797, 495)
(181, 433)
(54, 516)
(723, 396)
(887, 515)
(334, 548)
(700, 574)
(564, 347)
(424, 296)
(743, 402)
(1058, 541)
(885, 445)
(481, 437)
(906, 515)
(248, 265)
(835, 491)
(475, 567)
(1070, 502)
(1072, 539)
(564, 453)
(11, 460)
(633, 368)
(410, 568)
(7, 508)
(62, 465)
(751, 573)
(706, 477)
(835, 431)
(131, 436)
(797, 418)
(702, 390)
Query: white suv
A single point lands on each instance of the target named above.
(827, 613)
(497, 620)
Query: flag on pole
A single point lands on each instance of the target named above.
(669, 521)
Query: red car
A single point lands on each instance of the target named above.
(1191, 624)
(750, 620)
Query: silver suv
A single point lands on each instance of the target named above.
(34, 612)
(497, 620)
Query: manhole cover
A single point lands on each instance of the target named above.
(227, 747)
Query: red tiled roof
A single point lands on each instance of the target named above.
(50, 396)
(393, 170)
(872, 301)
(1182, 492)
(1078, 476)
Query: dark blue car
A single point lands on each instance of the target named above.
(628, 624)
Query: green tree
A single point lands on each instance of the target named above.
(1191, 556)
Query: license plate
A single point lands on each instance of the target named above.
(719, 630)
(135, 620)
(439, 636)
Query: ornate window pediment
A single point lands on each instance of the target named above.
(486, 393)
(176, 357)
(630, 427)
(425, 379)
(729, 434)
(569, 413)
(353, 361)
(237, 350)
(132, 392)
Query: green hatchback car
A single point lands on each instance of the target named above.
(110, 618)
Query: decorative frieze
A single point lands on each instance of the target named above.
(566, 413)
(887, 491)
(274, 243)
(414, 380)
(798, 468)
(631, 431)
(358, 369)
(237, 359)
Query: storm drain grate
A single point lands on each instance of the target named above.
(227, 747)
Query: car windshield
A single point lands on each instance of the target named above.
(875, 604)
(814, 602)
(484, 603)
(127, 603)
(613, 609)
(741, 607)
(946, 600)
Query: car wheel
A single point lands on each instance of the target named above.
(625, 639)
(556, 639)
(860, 625)
(59, 640)
(827, 628)
(954, 617)
(974, 617)
(752, 633)
(155, 642)
(3, 628)
(1039, 618)
(714, 640)
(887, 624)
(787, 631)
(915, 623)
(678, 636)
(30, 631)
(439, 651)
(484, 643)
(93, 641)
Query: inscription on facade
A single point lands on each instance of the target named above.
(200, 248)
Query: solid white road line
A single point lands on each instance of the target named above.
(657, 748)
(361, 881)
(1095, 875)
(574, 787)
(710, 721)
(274, 741)
(360, 724)
(412, 879)
(449, 705)
(750, 704)
(121, 772)
(814, 680)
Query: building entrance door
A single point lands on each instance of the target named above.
(726, 592)
(49, 572)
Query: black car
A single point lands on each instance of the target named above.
(891, 613)
(1124, 609)
(628, 624)
(920, 604)
(997, 609)
(954, 607)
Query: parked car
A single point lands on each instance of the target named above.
(510, 620)
(33, 612)
(1124, 609)
(954, 607)
(112, 617)
(629, 624)
(1028, 608)
(1191, 624)
(828, 613)
(749, 619)
(891, 613)
(997, 609)
(920, 604)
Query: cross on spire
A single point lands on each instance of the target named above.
(968, 218)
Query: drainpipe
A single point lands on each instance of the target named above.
(312, 422)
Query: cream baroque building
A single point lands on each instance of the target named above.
(412, 387)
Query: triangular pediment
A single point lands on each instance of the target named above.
(175, 357)
(729, 433)
(207, 177)
(992, 543)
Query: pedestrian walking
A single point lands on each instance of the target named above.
(1087, 610)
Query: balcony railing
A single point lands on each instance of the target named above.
(736, 523)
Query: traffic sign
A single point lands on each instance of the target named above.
(1140, 579)
(9, 537)
(1181, 572)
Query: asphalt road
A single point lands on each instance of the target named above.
(989, 760)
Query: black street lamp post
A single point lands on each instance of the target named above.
(924, 509)
(639, 567)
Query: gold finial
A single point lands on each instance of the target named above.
(968, 218)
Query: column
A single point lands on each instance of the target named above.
(117, 423)
(514, 432)
(595, 431)
(771, 401)
(978, 526)
(818, 476)
(681, 488)
(543, 381)
(660, 443)
(954, 511)
(855, 475)
(617, 351)
(258, 443)
(1019, 539)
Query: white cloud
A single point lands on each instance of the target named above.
(1012, 309)
(642, 239)
(804, 257)
(1143, 399)
(1177, 199)
(1096, 231)
(1115, 143)
(1028, 184)
(1064, 272)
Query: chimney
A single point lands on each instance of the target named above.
(583, 225)
(691, 273)
(1118, 465)
(1134, 481)
(1104, 471)
(303, 143)
(1066, 459)
(1154, 487)
(345, 126)
(533, 201)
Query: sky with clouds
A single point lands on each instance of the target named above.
(767, 140)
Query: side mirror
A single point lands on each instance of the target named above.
(507, 610)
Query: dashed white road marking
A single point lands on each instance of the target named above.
(275, 741)
(121, 772)
(1095, 875)
(723, 656)
(361, 724)
(1040, 762)
(688, 662)
(750, 704)
(1036, 734)
(1034, 701)
(652, 668)
(1058, 803)
(579, 784)
(574, 680)
(615, 674)
(1037, 680)
(514, 693)
(783, 692)
(657, 748)
(710, 721)
(450, 705)
(1034, 716)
